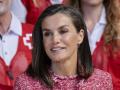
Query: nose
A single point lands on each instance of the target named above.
(56, 38)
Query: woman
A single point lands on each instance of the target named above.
(94, 13)
(102, 18)
(61, 55)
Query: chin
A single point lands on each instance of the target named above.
(58, 59)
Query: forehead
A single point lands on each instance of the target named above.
(57, 20)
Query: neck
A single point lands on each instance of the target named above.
(66, 67)
(5, 23)
(91, 14)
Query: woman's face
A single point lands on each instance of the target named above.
(92, 2)
(60, 38)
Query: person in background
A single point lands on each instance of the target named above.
(95, 14)
(19, 10)
(102, 18)
(5, 87)
(35, 7)
(61, 55)
(15, 45)
(107, 55)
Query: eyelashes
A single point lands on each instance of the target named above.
(63, 31)
(50, 33)
(47, 33)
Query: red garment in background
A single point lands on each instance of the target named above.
(107, 57)
(34, 12)
(21, 59)
(4, 87)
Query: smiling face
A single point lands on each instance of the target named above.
(5, 6)
(60, 37)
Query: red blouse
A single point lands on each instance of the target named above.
(34, 12)
(99, 80)
(107, 57)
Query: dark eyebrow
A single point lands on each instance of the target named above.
(61, 27)
(45, 29)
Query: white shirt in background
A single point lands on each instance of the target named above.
(9, 41)
(97, 32)
(19, 10)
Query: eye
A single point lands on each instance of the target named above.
(47, 33)
(63, 31)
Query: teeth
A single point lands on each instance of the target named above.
(56, 49)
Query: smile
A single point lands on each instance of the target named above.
(57, 49)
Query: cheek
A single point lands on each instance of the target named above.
(71, 40)
(46, 47)
(45, 43)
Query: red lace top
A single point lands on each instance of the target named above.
(99, 80)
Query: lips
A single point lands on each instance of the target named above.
(57, 49)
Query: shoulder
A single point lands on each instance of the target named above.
(21, 82)
(103, 78)
(99, 80)
(101, 74)
(23, 77)
(25, 82)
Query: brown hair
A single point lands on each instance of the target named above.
(112, 8)
(113, 19)
(41, 62)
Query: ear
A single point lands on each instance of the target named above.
(80, 36)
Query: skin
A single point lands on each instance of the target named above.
(5, 16)
(39, 3)
(92, 11)
(61, 43)
(66, 2)
(5, 6)
(92, 2)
